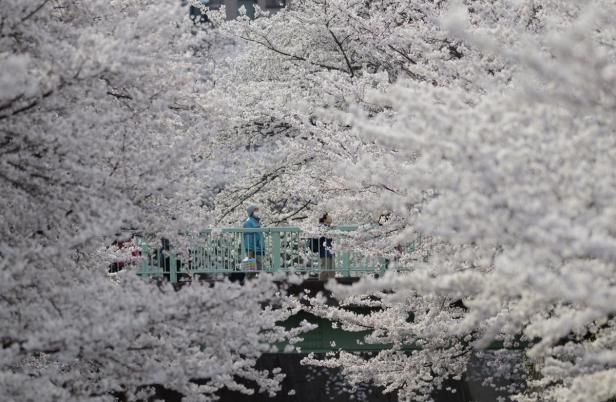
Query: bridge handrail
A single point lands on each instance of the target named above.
(284, 248)
(271, 229)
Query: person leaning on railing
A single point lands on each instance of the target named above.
(254, 244)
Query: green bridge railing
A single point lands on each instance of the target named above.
(276, 249)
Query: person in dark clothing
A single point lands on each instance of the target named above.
(164, 259)
(328, 262)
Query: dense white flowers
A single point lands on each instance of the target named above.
(489, 128)
(101, 131)
(476, 140)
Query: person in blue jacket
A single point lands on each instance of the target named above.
(254, 243)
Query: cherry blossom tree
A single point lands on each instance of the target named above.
(484, 126)
(102, 130)
(296, 149)
(519, 189)
(314, 61)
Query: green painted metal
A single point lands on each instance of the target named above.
(328, 338)
(287, 249)
(276, 251)
(346, 264)
(173, 269)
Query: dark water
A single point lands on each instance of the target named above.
(316, 384)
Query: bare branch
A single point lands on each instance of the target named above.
(346, 58)
(303, 207)
(36, 10)
(28, 106)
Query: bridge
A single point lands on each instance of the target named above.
(219, 252)
(225, 251)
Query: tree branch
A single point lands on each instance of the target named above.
(26, 107)
(346, 58)
(294, 213)
(119, 96)
(36, 10)
(271, 47)
(401, 53)
(266, 179)
(11, 102)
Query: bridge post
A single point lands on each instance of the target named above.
(275, 251)
(383, 263)
(143, 265)
(173, 269)
(346, 263)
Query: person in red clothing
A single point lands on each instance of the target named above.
(124, 245)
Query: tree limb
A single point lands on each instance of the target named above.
(36, 10)
(27, 107)
(303, 207)
(346, 58)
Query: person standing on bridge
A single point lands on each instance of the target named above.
(254, 243)
(328, 263)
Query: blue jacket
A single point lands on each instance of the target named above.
(254, 241)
